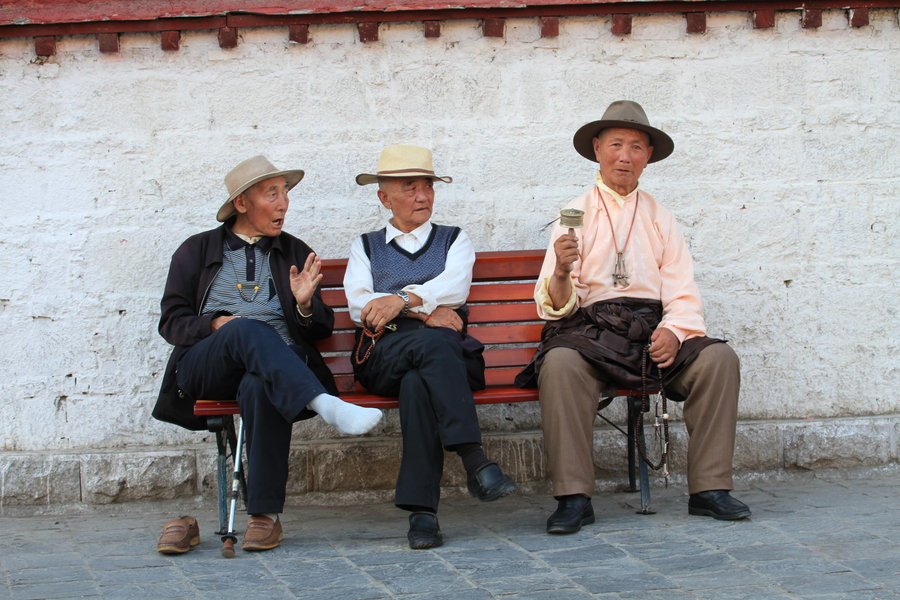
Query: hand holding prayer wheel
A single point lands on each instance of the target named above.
(566, 245)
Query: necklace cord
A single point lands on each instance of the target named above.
(619, 276)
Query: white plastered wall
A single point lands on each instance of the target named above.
(784, 178)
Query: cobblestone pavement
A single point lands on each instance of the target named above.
(833, 536)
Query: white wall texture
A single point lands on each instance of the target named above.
(785, 178)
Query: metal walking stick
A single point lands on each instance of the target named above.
(229, 537)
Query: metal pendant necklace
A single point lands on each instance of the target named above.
(621, 279)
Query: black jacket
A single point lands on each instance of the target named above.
(191, 272)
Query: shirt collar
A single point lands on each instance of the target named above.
(236, 241)
(421, 232)
(619, 198)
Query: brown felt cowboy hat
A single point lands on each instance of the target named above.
(249, 173)
(402, 161)
(622, 113)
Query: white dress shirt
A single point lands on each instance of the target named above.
(450, 288)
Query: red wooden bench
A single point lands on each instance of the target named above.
(502, 316)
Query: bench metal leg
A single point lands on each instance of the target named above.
(636, 437)
(221, 479)
(236, 451)
(227, 441)
(637, 466)
(632, 447)
(645, 479)
(229, 536)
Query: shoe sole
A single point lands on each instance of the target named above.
(705, 512)
(425, 544)
(506, 490)
(178, 549)
(563, 529)
(260, 547)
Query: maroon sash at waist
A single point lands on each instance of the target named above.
(612, 336)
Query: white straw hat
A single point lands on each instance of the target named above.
(402, 161)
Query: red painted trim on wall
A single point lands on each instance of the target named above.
(44, 12)
(35, 12)
(42, 18)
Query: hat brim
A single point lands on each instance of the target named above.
(367, 178)
(584, 138)
(292, 176)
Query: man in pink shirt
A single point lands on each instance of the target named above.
(620, 286)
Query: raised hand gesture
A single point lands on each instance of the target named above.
(305, 282)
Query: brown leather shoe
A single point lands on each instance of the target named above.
(178, 536)
(262, 533)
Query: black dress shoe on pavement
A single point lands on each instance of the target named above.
(718, 504)
(488, 483)
(571, 513)
(424, 531)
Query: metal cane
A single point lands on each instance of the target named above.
(229, 538)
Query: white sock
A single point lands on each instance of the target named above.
(344, 416)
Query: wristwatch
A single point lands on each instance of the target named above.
(405, 297)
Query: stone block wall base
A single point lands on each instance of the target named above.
(361, 470)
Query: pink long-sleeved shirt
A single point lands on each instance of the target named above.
(657, 260)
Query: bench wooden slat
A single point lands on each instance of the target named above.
(334, 298)
(507, 334)
(508, 357)
(502, 313)
(340, 341)
(502, 292)
(506, 265)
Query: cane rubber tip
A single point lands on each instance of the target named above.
(228, 550)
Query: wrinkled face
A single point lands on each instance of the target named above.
(260, 209)
(622, 154)
(409, 199)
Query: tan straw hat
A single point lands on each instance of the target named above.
(248, 173)
(402, 161)
(628, 114)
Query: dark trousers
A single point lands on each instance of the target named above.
(246, 359)
(425, 369)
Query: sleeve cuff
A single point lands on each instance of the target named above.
(681, 335)
(302, 316)
(428, 305)
(546, 303)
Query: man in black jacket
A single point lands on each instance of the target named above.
(243, 310)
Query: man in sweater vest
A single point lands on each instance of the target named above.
(622, 307)
(243, 310)
(406, 287)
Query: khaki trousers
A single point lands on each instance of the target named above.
(570, 390)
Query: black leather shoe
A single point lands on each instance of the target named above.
(718, 504)
(571, 513)
(488, 483)
(424, 531)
